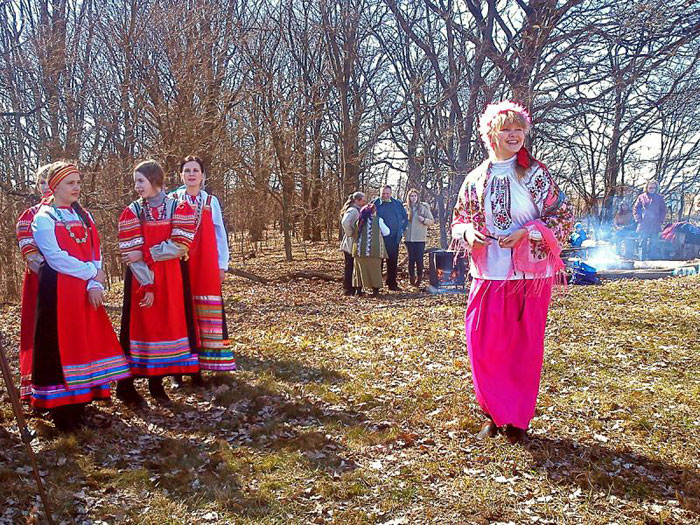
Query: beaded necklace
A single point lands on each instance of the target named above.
(78, 240)
(149, 214)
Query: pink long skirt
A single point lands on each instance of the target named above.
(504, 326)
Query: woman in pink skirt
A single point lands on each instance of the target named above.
(511, 219)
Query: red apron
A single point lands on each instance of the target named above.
(212, 337)
(158, 337)
(30, 287)
(90, 354)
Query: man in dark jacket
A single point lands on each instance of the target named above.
(393, 213)
(650, 213)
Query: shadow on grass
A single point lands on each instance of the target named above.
(621, 473)
(290, 370)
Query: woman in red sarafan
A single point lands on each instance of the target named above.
(75, 350)
(157, 331)
(30, 284)
(207, 264)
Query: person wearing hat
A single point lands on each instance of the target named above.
(578, 236)
(75, 350)
(511, 218)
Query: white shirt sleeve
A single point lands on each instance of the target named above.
(221, 237)
(383, 227)
(44, 231)
(93, 284)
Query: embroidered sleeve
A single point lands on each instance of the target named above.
(555, 210)
(468, 211)
(184, 226)
(130, 233)
(25, 239)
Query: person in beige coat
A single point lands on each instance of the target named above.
(419, 218)
(348, 221)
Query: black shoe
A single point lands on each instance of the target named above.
(516, 435)
(394, 288)
(126, 392)
(198, 380)
(413, 280)
(68, 418)
(375, 292)
(177, 381)
(348, 293)
(155, 387)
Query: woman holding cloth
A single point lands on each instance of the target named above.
(511, 219)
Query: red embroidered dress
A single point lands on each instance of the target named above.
(30, 287)
(75, 350)
(157, 340)
(209, 254)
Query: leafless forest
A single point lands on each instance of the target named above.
(295, 103)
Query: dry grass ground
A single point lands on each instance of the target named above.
(353, 411)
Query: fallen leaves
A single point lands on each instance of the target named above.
(361, 411)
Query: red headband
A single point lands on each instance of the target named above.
(60, 174)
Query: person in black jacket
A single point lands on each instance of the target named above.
(393, 213)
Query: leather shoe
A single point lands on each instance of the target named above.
(516, 435)
(488, 430)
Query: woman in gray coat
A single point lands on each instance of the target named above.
(348, 221)
(419, 218)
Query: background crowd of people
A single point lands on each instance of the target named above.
(372, 235)
(636, 229)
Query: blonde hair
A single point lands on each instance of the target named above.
(508, 118)
(42, 175)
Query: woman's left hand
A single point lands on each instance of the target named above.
(222, 276)
(132, 257)
(95, 298)
(509, 241)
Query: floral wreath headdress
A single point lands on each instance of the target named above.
(491, 112)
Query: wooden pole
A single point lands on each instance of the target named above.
(26, 434)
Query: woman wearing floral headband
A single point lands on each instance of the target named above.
(75, 350)
(511, 219)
